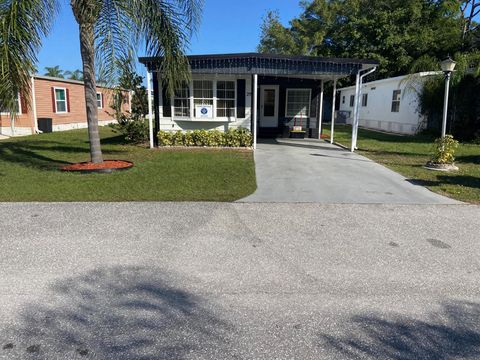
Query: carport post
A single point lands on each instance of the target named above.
(355, 111)
(254, 110)
(320, 112)
(150, 112)
(333, 110)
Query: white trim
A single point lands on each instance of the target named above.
(309, 101)
(101, 100)
(334, 98)
(55, 88)
(320, 112)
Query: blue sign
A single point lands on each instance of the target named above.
(204, 111)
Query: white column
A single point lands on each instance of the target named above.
(254, 110)
(34, 106)
(355, 112)
(332, 129)
(320, 112)
(150, 112)
(445, 104)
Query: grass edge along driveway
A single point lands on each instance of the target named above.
(407, 155)
(29, 171)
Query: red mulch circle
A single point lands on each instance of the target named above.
(105, 166)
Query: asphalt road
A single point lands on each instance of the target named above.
(239, 281)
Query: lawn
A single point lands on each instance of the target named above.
(407, 155)
(29, 171)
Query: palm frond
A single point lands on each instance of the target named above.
(23, 24)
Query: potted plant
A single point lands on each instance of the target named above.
(444, 154)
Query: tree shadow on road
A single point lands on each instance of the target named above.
(115, 313)
(452, 333)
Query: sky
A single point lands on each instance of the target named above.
(228, 26)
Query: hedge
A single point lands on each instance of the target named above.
(239, 137)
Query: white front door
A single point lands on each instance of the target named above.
(269, 95)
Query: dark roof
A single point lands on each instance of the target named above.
(268, 64)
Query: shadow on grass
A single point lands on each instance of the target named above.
(462, 180)
(34, 153)
(451, 333)
(116, 313)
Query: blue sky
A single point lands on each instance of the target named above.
(227, 26)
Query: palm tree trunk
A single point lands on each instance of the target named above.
(88, 58)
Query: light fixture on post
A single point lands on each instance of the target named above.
(448, 65)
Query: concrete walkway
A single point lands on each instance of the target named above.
(315, 171)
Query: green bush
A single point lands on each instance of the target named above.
(134, 128)
(444, 151)
(239, 137)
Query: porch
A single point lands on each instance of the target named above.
(271, 95)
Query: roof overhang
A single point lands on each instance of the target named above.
(268, 64)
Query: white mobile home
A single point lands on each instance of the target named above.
(389, 105)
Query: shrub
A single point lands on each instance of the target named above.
(135, 129)
(232, 138)
(444, 151)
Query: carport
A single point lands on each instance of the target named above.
(268, 94)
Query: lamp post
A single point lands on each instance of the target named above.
(448, 65)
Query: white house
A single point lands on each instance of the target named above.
(269, 93)
(389, 105)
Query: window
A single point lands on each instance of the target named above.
(298, 103)
(352, 100)
(60, 100)
(181, 101)
(202, 93)
(396, 100)
(343, 100)
(100, 100)
(17, 110)
(225, 98)
(364, 100)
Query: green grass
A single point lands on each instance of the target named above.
(29, 171)
(407, 155)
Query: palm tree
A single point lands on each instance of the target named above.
(109, 30)
(74, 75)
(55, 71)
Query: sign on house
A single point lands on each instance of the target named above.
(204, 111)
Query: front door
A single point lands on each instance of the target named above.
(269, 105)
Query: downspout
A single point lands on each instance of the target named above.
(34, 108)
(358, 91)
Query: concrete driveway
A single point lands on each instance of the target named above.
(315, 171)
(239, 281)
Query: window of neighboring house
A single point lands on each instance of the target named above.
(17, 110)
(364, 100)
(352, 100)
(225, 98)
(298, 103)
(202, 93)
(60, 100)
(396, 100)
(343, 100)
(99, 100)
(181, 101)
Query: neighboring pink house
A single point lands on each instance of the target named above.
(61, 100)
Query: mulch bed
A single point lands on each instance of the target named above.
(107, 166)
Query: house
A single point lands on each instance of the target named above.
(62, 101)
(267, 94)
(389, 105)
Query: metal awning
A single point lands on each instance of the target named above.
(268, 64)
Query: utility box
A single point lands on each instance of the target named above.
(45, 125)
